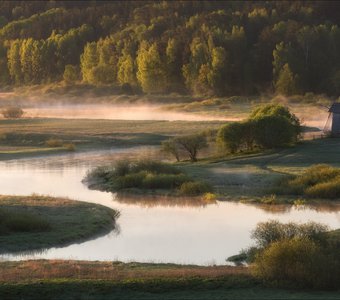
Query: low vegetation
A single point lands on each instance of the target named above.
(14, 222)
(38, 222)
(296, 255)
(115, 280)
(145, 175)
(59, 143)
(318, 181)
(12, 112)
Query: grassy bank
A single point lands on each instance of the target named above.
(145, 176)
(107, 280)
(23, 135)
(252, 177)
(37, 222)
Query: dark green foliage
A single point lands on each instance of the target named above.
(207, 48)
(268, 126)
(11, 221)
(237, 136)
(71, 74)
(274, 131)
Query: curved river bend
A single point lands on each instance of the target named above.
(182, 233)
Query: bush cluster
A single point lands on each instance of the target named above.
(147, 175)
(318, 181)
(299, 255)
(268, 126)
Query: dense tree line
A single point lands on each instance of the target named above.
(209, 47)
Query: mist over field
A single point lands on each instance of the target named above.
(169, 150)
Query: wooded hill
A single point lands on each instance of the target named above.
(197, 47)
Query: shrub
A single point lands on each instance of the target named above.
(209, 196)
(268, 232)
(194, 188)
(70, 147)
(330, 190)
(12, 112)
(134, 180)
(319, 181)
(144, 174)
(298, 261)
(164, 181)
(53, 142)
(314, 175)
(153, 167)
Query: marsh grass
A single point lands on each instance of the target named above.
(195, 188)
(38, 222)
(318, 181)
(54, 142)
(145, 175)
(12, 222)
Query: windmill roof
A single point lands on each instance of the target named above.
(335, 108)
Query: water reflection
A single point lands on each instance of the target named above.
(149, 201)
(189, 233)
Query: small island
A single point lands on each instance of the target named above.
(39, 222)
(146, 176)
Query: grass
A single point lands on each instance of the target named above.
(318, 181)
(251, 177)
(24, 134)
(14, 222)
(145, 175)
(114, 280)
(38, 222)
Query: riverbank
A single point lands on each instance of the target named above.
(40, 222)
(108, 280)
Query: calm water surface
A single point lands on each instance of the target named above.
(181, 233)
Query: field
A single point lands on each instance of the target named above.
(114, 280)
(38, 222)
(28, 136)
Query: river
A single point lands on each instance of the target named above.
(148, 231)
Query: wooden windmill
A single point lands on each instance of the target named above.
(333, 122)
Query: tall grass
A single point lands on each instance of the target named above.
(21, 222)
(318, 181)
(145, 175)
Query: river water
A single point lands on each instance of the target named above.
(148, 230)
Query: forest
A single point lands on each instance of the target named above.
(208, 48)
